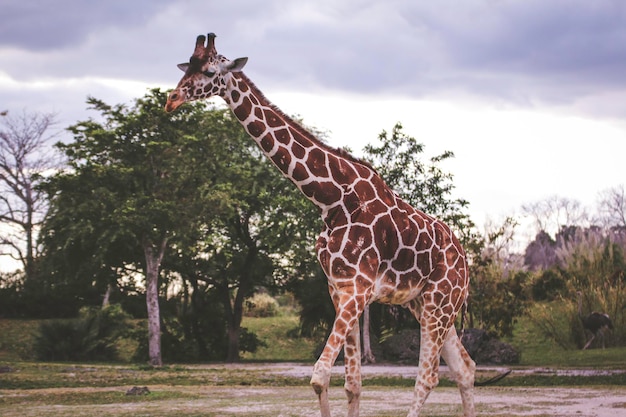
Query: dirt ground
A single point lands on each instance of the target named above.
(300, 401)
(509, 401)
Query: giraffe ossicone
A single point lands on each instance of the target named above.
(373, 246)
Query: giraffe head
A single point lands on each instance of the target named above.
(206, 74)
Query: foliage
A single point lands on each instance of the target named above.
(612, 207)
(541, 252)
(593, 265)
(139, 176)
(263, 239)
(190, 187)
(424, 185)
(280, 335)
(261, 305)
(548, 285)
(195, 331)
(134, 184)
(317, 312)
(554, 321)
(90, 337)
(498, 288)
(496, 301)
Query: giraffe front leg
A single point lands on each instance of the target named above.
(346, 320)
(433, 332)
(352, 353)
(320, 380)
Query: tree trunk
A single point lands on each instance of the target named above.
(233, 343)
(107, 296)
(245, 286)
(196, 310)
(154, 256)
(368, 355)
(234, 322)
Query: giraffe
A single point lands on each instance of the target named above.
(373, 247)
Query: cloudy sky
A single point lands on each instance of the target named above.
(530, 95)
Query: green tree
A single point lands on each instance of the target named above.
(262, 240)
(499, 291)
(137, 182)
(423, 184)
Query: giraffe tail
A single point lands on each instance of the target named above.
(463, 316)
(492, 380)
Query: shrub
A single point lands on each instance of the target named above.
(261, 305)
(90, 337)
(555, 320)
(548, 286)
(496, 302)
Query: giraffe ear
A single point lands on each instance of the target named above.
(183, 67)
(237, 64)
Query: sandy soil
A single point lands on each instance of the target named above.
(509, 401)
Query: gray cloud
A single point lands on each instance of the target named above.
(562, 52)
(43, 25)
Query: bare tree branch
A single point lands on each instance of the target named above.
(25, 156)
(612, 206)
(551, 214)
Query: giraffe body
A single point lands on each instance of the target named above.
(374, 246)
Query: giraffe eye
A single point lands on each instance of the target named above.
(208, 73)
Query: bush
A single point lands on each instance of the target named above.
(496, 302)
(261, 305)
(195, 332)
(554, 320)
(548, 286)
(90, 337)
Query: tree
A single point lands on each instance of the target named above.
(422, 184)
(552, 213)
(137, 183)
(188, 194)
(612, 207)
(262, 240)
(498, 285)
(25, 158)
(540, 254)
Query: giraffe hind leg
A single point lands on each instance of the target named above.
(462, 368)
(428, 368)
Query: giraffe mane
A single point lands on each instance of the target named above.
(339, 152)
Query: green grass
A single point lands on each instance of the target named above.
(34, 375)
(103, 396)
(277, 333)
(17, 336)
(539, 351)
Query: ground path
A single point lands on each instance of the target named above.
(299, 401)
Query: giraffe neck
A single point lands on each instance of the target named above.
(319, 171)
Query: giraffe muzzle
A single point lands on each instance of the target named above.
(174, 101)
